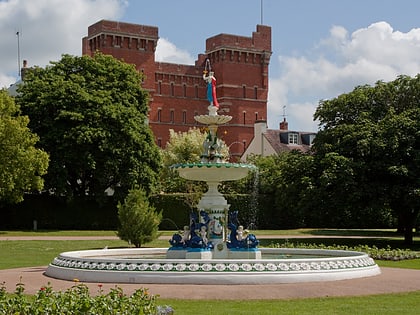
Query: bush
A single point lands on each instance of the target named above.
(77, 300)
(374, 252)
(139, 221)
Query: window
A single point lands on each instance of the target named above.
(159, 115)
(195, 114)
(172, 115)
(255, 92)
(184, 90)
(256, 116)
(159, 142)
(159, 91)
(196, 91)
(293, 138)
(172, 89)
(243, 91)
(244, 114)
(184, 117)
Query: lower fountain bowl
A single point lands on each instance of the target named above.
(149, 265)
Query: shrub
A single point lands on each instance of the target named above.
(77, 300)
(139, 221)
(374, 252)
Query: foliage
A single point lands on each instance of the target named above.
(78, 300)
(183, 147)
(376, 253)
(175, 210)
(22, 165)
(373, 133)
(289, 177)
(139, 221)
(57, 212)
(91, 117)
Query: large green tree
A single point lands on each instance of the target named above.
(374, 134)
(91, 116)
(288, 177)
(21, 163)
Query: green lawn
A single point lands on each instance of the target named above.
(406, 303)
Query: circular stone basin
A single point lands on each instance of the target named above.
(127, 266)
(213, 119)
(213, 172)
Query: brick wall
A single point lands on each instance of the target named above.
(178, 92)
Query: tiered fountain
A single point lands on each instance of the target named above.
(214, 248)
(207, 235)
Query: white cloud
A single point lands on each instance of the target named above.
(337, 65)
(48, 29)
(168, 52)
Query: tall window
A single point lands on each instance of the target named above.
(172, 89)
(196, 91)
(293, 138)
(159, 115)
(243, 91)
(244, 116)
(184, 117)
(255, 92)
(159, 91)
(184, 90)
(172, 115)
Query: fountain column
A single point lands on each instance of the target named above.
(216, 206)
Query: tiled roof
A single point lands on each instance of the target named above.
(274, 138)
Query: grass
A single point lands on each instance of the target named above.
(404, 303)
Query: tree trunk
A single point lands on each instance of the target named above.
(408, 235)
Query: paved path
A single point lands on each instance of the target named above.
(391, 280)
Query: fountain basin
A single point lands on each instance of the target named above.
(148, 265)
(213, 172)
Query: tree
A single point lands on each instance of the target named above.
(377, 130)
(139, 221)
(22, 165)
(91, 117)
(183, 147)
(288, 177)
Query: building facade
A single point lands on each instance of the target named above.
(178, 92)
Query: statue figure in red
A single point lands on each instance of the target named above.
(208, 76)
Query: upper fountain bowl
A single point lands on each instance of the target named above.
(213, 119)
(213, 172)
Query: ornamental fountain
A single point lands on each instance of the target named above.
(214, 248)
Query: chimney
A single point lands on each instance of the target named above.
(284, 125)
(260, 126)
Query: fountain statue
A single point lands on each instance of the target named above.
(214, 248)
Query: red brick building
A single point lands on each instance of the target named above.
(178, 92)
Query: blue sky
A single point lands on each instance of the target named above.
(321, 48)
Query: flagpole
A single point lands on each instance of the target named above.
(18, 52)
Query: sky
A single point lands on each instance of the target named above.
(320, 48)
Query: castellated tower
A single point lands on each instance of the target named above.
(178, 92)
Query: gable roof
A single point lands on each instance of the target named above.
(278, 139)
